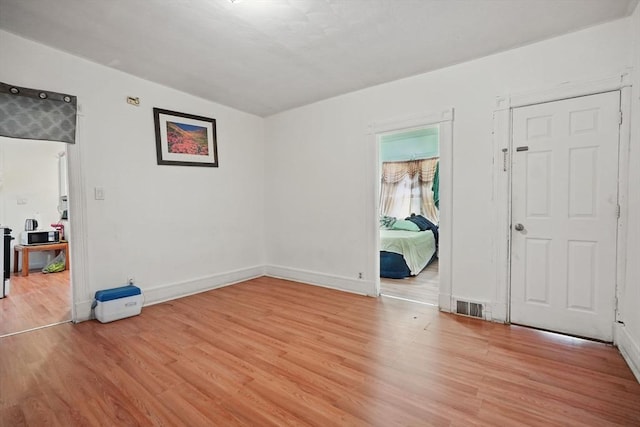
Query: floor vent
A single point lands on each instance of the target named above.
(467, 308)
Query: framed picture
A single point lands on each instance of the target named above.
(184, 139)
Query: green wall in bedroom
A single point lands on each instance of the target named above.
(410, 145)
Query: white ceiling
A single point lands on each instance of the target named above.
(267, 56)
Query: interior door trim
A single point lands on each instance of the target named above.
(564, 91)
(78, 249)
(444, 120)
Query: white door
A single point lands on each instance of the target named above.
(564, 215)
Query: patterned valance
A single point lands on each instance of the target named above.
(393, 172)
(37, 114)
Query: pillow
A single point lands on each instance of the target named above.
(386, 222)
(422, 222)
(403, 224)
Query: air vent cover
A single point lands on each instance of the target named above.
(462, 307)
(472, 309)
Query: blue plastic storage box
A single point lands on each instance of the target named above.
(118, 303)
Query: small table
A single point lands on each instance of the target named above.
(25, 249)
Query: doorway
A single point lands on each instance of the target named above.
(443, 122)
(34, 187)
(564, 215)
(409, 199)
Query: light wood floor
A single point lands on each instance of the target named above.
(273, 352)
(423, 288)
(36, 300)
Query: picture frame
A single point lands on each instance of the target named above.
(185, 139)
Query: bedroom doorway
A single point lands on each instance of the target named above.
(408, 209)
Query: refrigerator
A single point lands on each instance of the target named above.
(5, 256)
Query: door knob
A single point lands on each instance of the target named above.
(519, 227)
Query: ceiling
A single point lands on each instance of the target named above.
(267, 56)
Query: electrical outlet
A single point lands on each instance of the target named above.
(359, 275)
(131, 280)
(98, 193)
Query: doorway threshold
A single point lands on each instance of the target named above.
(35, 329)
(409, 300)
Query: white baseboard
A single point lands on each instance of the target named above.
(167, 292)
(444, 302)
(170, 291)
(341, 283)
(83, 311)
(499, 312)
(629, 348)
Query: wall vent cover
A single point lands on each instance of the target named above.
(462, 307)
(467, 308)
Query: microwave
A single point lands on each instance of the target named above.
(39, 237)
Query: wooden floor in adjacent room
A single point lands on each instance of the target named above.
(36, 300)
(272, 352)
(422, 288)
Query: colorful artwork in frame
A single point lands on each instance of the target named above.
(185, 139)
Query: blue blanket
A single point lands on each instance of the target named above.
(424, 224)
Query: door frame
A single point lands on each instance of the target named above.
(502, 161)
(80, 299)
(80, 294)
(444, 120)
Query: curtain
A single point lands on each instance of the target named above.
(427, 174)
(393, 191)
(36, 114)
(397, 198)
(406, 187)
(436, 186)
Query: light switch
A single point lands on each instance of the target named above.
(98, 193)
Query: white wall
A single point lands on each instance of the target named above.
(629, 338)
(317, 192)
(182, 229)
(175, 229)
(29, 187)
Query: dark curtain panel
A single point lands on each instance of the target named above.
(37, 114)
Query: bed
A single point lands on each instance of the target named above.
(405, 253)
